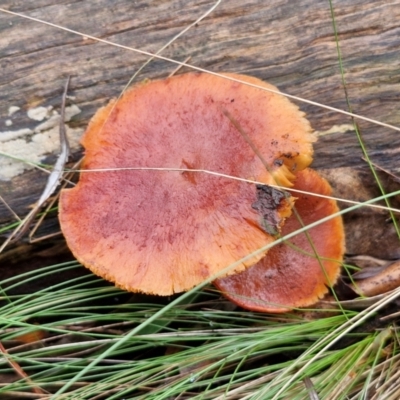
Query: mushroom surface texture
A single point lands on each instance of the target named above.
(165, 231)
(289, 276)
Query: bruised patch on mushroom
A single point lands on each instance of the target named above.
(270, 203)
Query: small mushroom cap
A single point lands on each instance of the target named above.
(162, 232)
(288, 277)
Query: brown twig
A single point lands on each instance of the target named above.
(53, 200)
(19, 371)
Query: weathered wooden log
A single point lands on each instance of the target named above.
(290, 44)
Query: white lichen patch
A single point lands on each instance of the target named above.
(7, 136)
(39, 113)
(336, 129)
(22, 148)
(8, 122)
(54, 119)
(12, 110)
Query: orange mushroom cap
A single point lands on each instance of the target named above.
(288, 277)
(162, 232)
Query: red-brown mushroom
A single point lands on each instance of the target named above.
(291, 275)
(164, 231)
